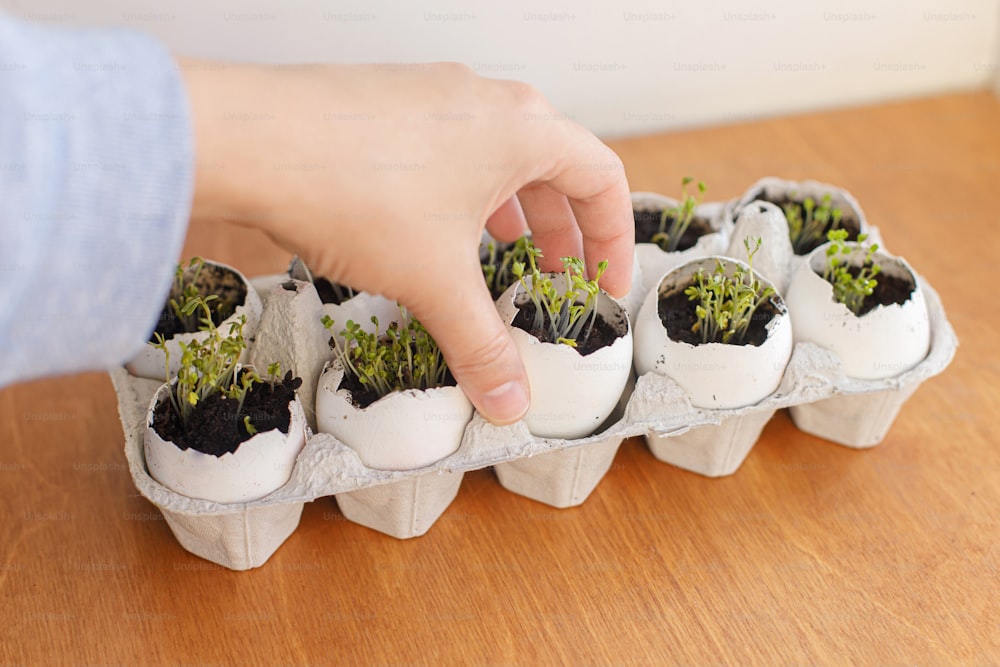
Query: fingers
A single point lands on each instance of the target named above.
(608, 234)
(553, 225)
(460, 314)
(578, 202)
(507, 223)
(592, 178)
(595, 226)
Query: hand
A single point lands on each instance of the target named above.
(382, 177)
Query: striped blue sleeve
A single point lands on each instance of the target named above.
(96, 180)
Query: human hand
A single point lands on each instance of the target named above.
(382, 177)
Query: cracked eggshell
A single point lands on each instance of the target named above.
(360, 309)
(258, 467)
(880, 344)
(633, 300)
(715, 375)
(571, 395)
(149, 361)
(774, 188)
(654, 263)
(402, 431)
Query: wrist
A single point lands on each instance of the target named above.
(222, 104)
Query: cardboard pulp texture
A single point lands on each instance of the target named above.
(561, 473)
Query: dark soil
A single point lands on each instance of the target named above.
(647, 224)
(212, 280)
(328, 293)
(602, 335)
(362, 396)
(888, 290)
(216, 428)
(848, 221)
(677, 312)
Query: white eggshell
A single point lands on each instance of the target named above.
(149, 361)
(360, 309)
(653, 262)
(633, 300)
(402, 431)
(258, 467)
(715, 375)
(774, 188)
(881, 343)
(571, 395)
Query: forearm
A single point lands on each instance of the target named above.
(95, 187)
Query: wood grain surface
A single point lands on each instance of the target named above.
(810, 553)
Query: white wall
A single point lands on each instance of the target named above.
(618, 67)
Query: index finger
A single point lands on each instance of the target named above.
(592, 177)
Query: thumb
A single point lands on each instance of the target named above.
(463, 319)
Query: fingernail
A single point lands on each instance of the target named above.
(506, 404)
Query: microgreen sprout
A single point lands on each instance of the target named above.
(559, 311)
(850, 288)
(680, 217)
(726, 303)
(185, 294)
(209, 366)
(401, 357)
(808, 222)
(498, 261)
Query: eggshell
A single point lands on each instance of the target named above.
(571, 394)
(149, 361)
(360, 309)
(653, 262)
(633, 300)
(402, 431)
(715, 375)
(775, 188)
(258, 467)
(882, 343)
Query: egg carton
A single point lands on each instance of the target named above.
(560, 473)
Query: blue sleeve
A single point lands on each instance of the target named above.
(96, 180)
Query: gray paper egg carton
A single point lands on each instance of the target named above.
(560, 473)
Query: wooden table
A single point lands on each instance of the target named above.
(811, 553)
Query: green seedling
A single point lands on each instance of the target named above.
(208, 366)
(498, 262)
(726, 303)
(680, 217)
(184, 296)
(273, 376)
(402, 357)
(850, 288)
(808, 222)
(560, 313)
